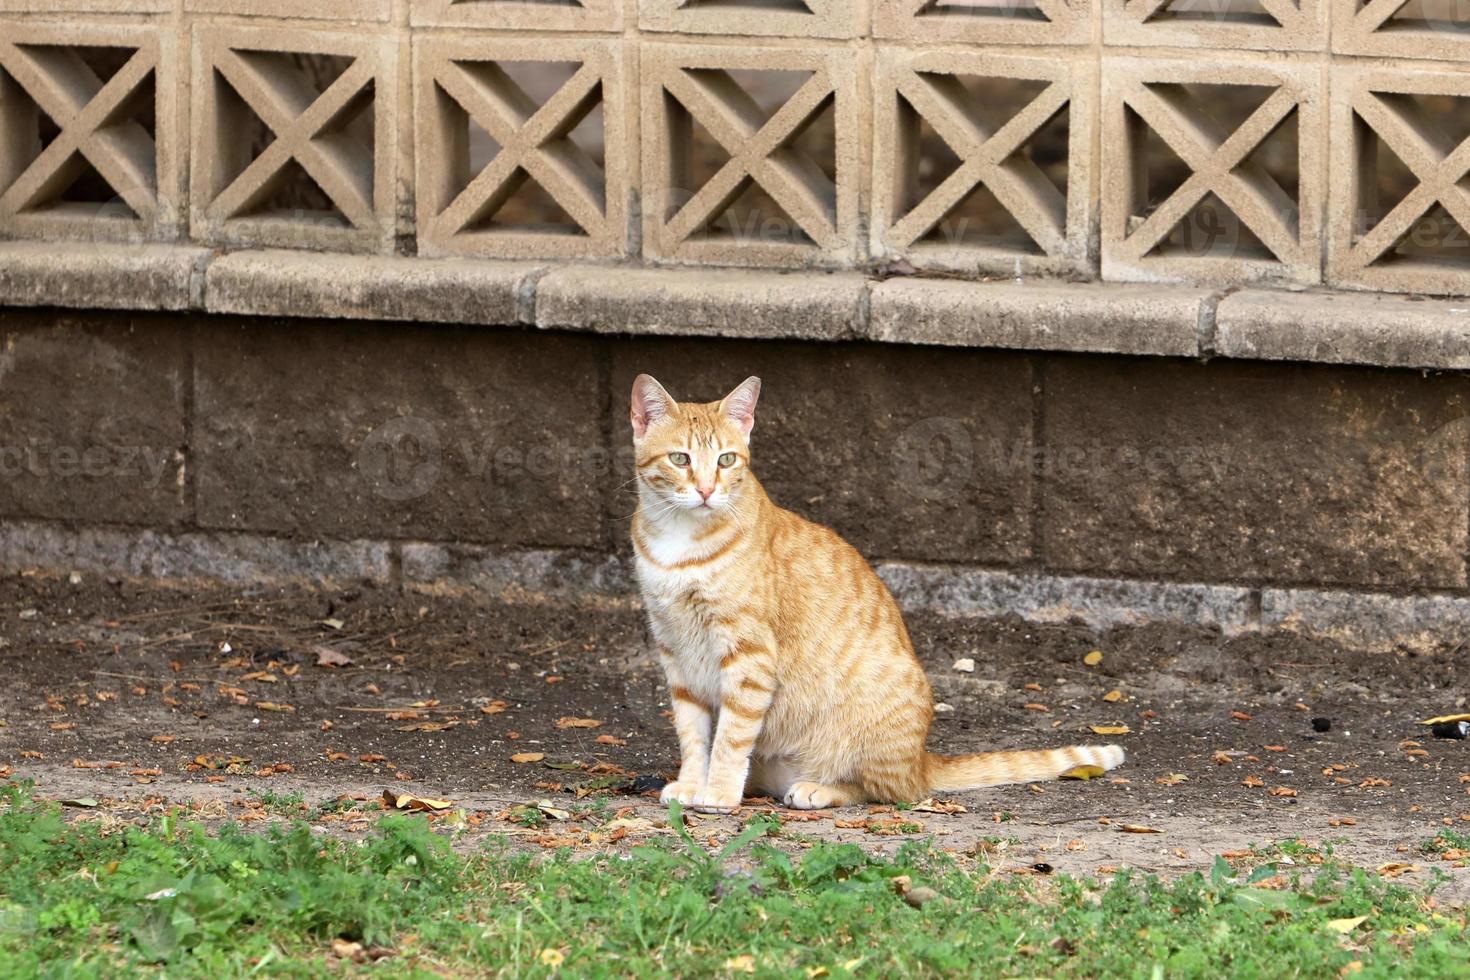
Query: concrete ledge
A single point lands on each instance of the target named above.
(308, 284)
(706, 302)
(1368, 621)
(539, 575)
(1344, 328)
(1040, 315)
(1100, 603)
(98, 276)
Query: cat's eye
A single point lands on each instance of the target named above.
(679, 459)
(727, 459)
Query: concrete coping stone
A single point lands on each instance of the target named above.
(1314, 325)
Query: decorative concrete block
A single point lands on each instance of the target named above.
(784, 18)
(353, 10)
(1231, 220)
(539, 138)
(1401, 29)
(1404, 231)
(807, 211)
(1038, 22)
(86, 6)
(88, 126)
(286, 157)
(1016, 129)
(1278, 25)
(520, 15)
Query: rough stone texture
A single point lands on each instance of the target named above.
(810, 18)
(45, 82)
(1038, 598)
(86, 6)
(231, 190)
(519, 15)
(680, 83)
(286, 283)
(355, 429)
(906, 453)
(713, 303)
(1287, 26)
(1344, 328)
(919, 20)
(1378, 243)
(462, 83)
(1230, 472)
(354, 10)
(88, 276)
(92, 418)
(923, 86)
(1367, 28)
(1368, 621)
(1141, 94)
(516, 576)
(191, 557)
(1039, 316)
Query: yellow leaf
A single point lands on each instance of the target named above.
(1093, 658)
(1136, 828)
(1393, 870)
(1173, 779)
(407, 801)
(570, 722)
(1083, 772)
(1346, 926)
(528, 757)
(741, 964)
(1444, 719)
(813, 972)
(1111, 729)
(1113, 695)
(552, 957)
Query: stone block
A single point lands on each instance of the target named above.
(1428, 624)
(89, 131)
(906, 452)
(1274, 26)
(1227, 198)
(1400, 29)
(47, 7)
(92, 276)
(352, 10)
(787, 18)
(92, 418)
(982, 161)
(1400, 229)
(523, 147)
(285, 154)
(516, 576)
(1035, 22)
(708, 303)
(736, 171)
(1110, 319)
(605, 16)
(1344, 328)
(435, 433)
(1232, 472)
(368, 287)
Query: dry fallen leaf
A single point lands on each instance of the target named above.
(1110, 729)
(1093, 658)
(528, 757)
(1036, 707)
(571, 722)
(1173, 779)
(1345, 926)
(1254, 782)
(1082, 772)
(932, 805)
(427, 726)
(327, 657)
(493, 708)
(1113, 695)
(1282, 791)
(1137, 828)
(611, 740)
(1445, 719)
(1394, 870)
(741, 964)
(407, 801)
(1240, 716)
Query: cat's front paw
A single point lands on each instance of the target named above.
(683, 792)
(714, 799)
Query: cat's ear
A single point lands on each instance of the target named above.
(650, 403)
(739, 405)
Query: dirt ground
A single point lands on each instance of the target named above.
(140, 697)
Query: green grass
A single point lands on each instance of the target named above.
(169, 898)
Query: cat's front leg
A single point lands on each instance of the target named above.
(693, 721)
(747, 684)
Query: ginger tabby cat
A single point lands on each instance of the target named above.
(790, 670)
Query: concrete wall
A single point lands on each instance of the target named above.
(1227, 491)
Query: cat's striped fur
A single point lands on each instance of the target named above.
(789, 667)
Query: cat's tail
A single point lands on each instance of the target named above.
(956, 772)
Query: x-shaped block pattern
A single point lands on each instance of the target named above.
(43, 71)
(760, 148)
(463, 81)
(308, 127)
(519, 15)
(991, 149)
(786, 18)
(1375, 108)
(1439, 30)
(1294, 25)
(1220, 164)
(985, 21)
(362, 11)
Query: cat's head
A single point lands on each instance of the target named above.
(694, 456)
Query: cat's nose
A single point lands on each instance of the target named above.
(704, 492)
